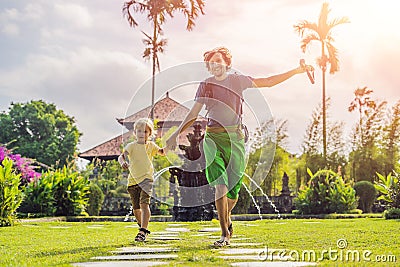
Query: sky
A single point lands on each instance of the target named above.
(82, 56)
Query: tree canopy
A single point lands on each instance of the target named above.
(40, 131)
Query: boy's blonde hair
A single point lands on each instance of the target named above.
(144, 122)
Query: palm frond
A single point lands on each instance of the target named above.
(322, 21)
(337, 21)
(147, 53)
(333, 58)
(305, 26)
(306, 41)
(127, 13)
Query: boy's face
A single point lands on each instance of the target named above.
(142, 133)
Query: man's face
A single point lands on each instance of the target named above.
(217, 65)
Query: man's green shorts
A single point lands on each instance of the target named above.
(225, 160)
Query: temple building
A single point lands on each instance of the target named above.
(167, 113)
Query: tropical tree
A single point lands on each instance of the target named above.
(38, 130)
(322, 32)
(268, 158)
(391, 140)
(157, 12)
(366, 156)
(311, 146)
(362, 102)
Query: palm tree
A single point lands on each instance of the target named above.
(157, 12)
(322, 32)
(362, 102)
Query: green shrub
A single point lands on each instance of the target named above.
(366, 192)
(392, 213)
(39, 196)
(10, 195)
(389, 187)
(326, 193)
(70, 192)
(96, 199)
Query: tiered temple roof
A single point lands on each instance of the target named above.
(167, 113)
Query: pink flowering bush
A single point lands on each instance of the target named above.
(22, 165)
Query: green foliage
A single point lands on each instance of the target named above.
(389, 187)
(39, 196)
(243, 202)
(108, 175)
(70, 192)
(10, 195)
(392, 213)
(96, 198)
(326, 193)
(268, 159)
(40, 131)
(366, 192)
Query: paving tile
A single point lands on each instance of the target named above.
(164, 233)
(177, 229)
(177, 224)
(120, 264)
(232, 251)
(137, 257)
(143, 250)
(234, 244)
(210, 229)
(164, 237)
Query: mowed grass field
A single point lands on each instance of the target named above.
(335, 242)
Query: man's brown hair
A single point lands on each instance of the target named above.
(223, 51)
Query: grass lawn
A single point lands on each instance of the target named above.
(63, 243)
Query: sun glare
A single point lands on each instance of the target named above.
(377, 16)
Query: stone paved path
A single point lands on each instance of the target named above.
(242, 254)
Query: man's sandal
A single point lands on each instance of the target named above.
(141, 236)
(221, 243)
(230, 229)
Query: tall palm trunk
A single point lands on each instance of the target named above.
(153, 77)
(323, 102)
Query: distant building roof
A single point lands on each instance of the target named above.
(108, 150)
(167, 112)
(166, 109)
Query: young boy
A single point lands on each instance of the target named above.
(137, 158)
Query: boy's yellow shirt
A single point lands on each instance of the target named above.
(140, 158)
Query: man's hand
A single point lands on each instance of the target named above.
(307, 68)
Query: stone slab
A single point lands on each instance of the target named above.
(210, 229)
(177, 224)
(132, 226)
(234, 244)
(233, 251)
(251, 257)
(143, 250)
(165, 233)
(137, 257)
(273, 264)
(177, 229)
(120, 264)
(164, 237)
